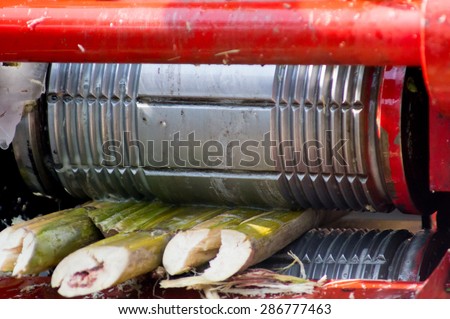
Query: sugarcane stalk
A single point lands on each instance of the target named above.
(148, 216)
(104, 210)
(200, 244)
(109, 262)
(247, 243)
(11, 238)
(125, 255)
(38, 244)
(139, 218)
(255, 240)
(105, 221)
(44, 247)
(183, 218)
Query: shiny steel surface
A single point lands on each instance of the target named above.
(322, 106)
(329, 105)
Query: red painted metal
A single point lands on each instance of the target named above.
(436, 57)
(257, 32)
(438, 283)
(435, 287)
(389, 120)
(400, 32)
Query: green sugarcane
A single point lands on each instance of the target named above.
(11, 238)
(40, 243)
(34, 245)
(106, 223)
(147, 216)
(241, 245)
(46, 245)
(186, 218)
(125, 255)
(100, 213)
(109, 262)
(138, 219)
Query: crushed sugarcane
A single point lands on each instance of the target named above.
(256, 283)
(297, 261)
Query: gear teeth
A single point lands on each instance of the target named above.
(330, 260)
(318, 260)
(367, 260)
(342, 260)
(389, 254)
(354, 260)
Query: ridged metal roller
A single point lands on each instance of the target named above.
(270, 136)
(363, 254)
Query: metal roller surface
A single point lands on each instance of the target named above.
(363, 254)
(273, 136)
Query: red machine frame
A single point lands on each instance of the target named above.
(400, 32)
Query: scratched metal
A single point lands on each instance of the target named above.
(305, 110)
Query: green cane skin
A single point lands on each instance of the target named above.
(59, 239)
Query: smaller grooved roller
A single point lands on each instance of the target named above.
(363, 254)
(344, 137)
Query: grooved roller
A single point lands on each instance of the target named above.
(269, 136)
(363, 254)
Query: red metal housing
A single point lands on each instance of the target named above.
(400, 32)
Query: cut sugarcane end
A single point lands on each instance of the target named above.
(28, 248)
(234, 255)
(8, 260)
(11, 241)
(190, 249)
(89, 270)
